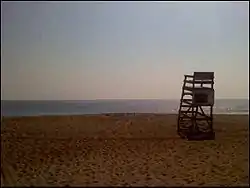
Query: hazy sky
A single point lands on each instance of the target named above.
(130, 50)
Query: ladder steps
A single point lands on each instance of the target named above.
(188, 105)
(190, 120)
(188, 88)
(188, 93)
(187, 100)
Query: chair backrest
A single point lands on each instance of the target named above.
(203, 75)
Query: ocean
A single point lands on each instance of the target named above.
(36, 108)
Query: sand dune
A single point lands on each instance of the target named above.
(121, 149)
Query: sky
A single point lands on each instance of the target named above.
(121, 50)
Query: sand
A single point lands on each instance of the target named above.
(121, 149)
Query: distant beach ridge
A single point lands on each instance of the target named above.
(77, 107)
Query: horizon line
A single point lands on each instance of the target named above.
(110, 99)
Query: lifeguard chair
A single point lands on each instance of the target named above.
(195, 122)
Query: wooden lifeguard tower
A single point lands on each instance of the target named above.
(195, 122)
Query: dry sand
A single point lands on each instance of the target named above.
(121, 149)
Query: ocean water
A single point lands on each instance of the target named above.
(35, 108)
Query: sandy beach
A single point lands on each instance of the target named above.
(121, 149)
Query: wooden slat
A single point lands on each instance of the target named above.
(203, 118)
(202, 105)
(187, 101)
(186, 112)
(184, 118)
(203, 114)
(188, 76)
(188, 88)
(184, 129)
(200, 81)
(188, 93)
(184, 105)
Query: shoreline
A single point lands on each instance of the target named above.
(120, 114)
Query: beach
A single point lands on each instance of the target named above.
(121, 150)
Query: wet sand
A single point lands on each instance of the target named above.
(121, 149)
